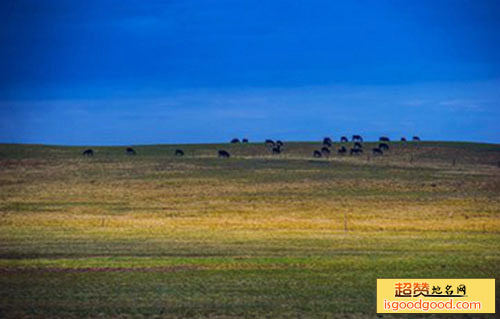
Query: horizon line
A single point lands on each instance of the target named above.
(219, 143)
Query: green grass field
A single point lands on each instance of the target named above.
(253, 236)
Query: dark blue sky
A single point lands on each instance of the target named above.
(133, 72)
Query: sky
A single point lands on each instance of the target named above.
(128, 72)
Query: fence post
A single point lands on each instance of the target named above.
(345, 221)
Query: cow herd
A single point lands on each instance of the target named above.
(275, 147)
(357, 146)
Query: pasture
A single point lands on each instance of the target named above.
(255, 235)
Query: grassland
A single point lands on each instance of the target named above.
(253, 236)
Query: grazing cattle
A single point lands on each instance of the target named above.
(358, 145)
(235, 141)
(344, 139)
(316, 154)
(130, 151)
(224, 154)
(356, 151)
(269, 142)
(403, 139)
(384, 139)
(88, 152)
(342, 150)
(325, 151)
(383, 146)
(327, 141)
(357, 138)
(377, 151)
(279, 143)
(245, 140)
(179, 152)
(276, 150)
(416, 139)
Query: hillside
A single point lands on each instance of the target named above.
(255, 235)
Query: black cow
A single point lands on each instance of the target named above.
(279, 143)
(383, 146)
(342, 150)
(357, 138)
(316, 154)
(384, 139)
(403, 139)
(235, 141)
(358, 145)
(344, 139)
(269, 142)
(327, 141)
(325, 151)
(224, 154)
(377, 151)
(179, 152)
(245, 140)
(88, 152)
(276, 150)
(130, 151)
(356, 151)
(416, 139)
